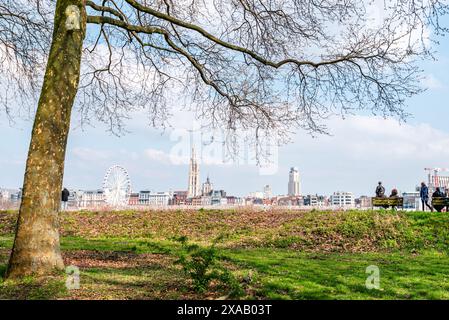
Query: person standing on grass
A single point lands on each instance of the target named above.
(64, 198)
(424, 194)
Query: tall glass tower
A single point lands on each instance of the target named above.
(294, 184)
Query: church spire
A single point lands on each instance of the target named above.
(194, 176)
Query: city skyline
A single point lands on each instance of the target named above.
(204, 188)
(192, 174)
(265, 180)
(362, 149)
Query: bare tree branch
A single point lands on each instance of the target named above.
(253, 65)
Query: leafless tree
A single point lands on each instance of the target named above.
(261, 65)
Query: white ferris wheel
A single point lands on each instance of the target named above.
(117, 186)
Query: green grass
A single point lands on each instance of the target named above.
(6, 241)
(275, 274)
(275, 255)
(150, 282)
(31, 288)
(283, 274)
(351, 231)
(115, 244)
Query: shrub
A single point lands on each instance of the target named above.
(202, 265)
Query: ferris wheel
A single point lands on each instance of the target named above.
(117, 186)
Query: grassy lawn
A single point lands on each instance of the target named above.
(283, 274)
(278, 255)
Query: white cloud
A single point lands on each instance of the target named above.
(363, 137)
(432, 83)
(180, 155)
(89, 154)
(157, 155)
(363, 150)
(360, 150)
(378, 12)
(171, 158)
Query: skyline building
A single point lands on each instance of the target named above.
(294, 185)
(207, 187)
(267, 193)
(343, 199)
(193, 189)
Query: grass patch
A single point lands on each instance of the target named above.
(6, 241)
(283, 274)
(153, 281)
(115, 244)
(320, 231)
(272, 254)
(31, 288)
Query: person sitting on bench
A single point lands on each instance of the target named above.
(380, 191)
(394, 194)
(438, 194)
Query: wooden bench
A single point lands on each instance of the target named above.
(397, 202)
(439, 203)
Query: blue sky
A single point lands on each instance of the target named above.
(361, 151)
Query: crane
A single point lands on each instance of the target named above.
(434, 181)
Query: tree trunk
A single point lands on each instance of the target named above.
(36, 248)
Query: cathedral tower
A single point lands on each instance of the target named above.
(194, 177)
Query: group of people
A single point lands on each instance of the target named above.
(380, 191)
(423, 193)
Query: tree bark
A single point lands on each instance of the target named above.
(36, 249)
